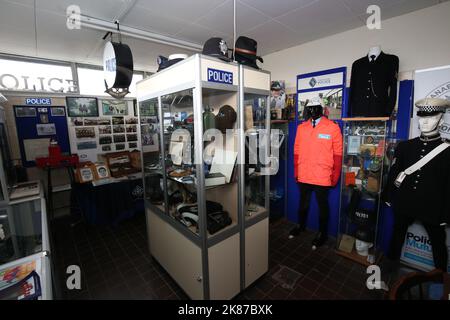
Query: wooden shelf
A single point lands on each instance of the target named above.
(359, 259)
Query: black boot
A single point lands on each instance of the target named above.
(319, 240)
(296, 231)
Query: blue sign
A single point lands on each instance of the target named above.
(38, 101)
(220, 76)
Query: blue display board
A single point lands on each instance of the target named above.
(38, 122)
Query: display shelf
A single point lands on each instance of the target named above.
(255, 213)
(354, 256)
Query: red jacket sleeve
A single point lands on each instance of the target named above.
(296, 153)
(337, 156)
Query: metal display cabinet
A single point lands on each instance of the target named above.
(176, 107)
(26, 241)
(363, 174)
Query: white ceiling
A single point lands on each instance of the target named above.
(275, 24)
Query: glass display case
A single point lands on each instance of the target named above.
(363, 174)
(191, 123)
(25, 250)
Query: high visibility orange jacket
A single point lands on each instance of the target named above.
(318, 153)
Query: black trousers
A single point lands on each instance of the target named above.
(306, 191)
(437, 235)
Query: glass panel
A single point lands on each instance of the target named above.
(178, 126)
(363, 166)
(22, 227)
(151, 152)
(221, 145)
(255, 120)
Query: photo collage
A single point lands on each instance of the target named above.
(114, 128)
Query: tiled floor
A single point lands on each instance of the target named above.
(115, 264)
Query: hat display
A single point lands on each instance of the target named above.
(316, 101)
(276, 86)
(216, 47)
(164, 63)
(245, 52)
(364, 234)
(430, 106)
(226, 118)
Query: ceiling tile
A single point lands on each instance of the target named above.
(328, 13)
(146, 19)
(72, 44)
(16, 27)
(276, 8)
(104, 9)
(359, 7)
(272, 36)
(221, 19)
(406, 6)
(198, 34)
(190, 10)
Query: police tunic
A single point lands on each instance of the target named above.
(373, 85)
(423, 195)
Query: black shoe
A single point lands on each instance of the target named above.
(295, 232)
(319, 240)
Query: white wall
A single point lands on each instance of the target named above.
(421, 40)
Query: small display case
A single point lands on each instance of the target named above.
(364, 165)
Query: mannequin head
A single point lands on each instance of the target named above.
(315, 111)
(362, 247)
(428, 124)
(374, 51)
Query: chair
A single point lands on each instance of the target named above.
(407, 287)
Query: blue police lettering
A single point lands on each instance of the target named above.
(220, 76)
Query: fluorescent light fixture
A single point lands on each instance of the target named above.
(103, 25)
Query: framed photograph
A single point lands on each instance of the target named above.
(120, 146)
(58, 111)
(114, 108)
(82, 107)
(119, 129)
(101, 171)
(104, 130)
(77, 122)
(90, 122)
(86, 145)
(131, 129)
(119, 138)
(104, 122)
(118, 120)
(105, 140)
(25, 112)
(86, 132)
(132, 145)
(132, 137)
(131, 121)
(148, 108)
(85, 174)
(106, 148)
(48, 129)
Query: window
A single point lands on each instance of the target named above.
(92, 83)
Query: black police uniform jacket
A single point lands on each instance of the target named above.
(423, 195)
(373, 91)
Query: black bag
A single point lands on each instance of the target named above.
(218, 221)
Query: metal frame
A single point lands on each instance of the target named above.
(202, 240)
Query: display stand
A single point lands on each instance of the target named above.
(205, 256)
(361, 184)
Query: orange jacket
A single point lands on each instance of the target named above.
(318, 153)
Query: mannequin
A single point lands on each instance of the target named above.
(374, 84)
(422, 196)
(362, 247)
(317, 167)
(374, 51)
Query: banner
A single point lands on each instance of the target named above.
(417, 250)
(429, 83)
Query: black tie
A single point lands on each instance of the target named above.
(372, 58)
(314, 123)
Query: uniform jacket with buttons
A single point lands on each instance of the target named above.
(318, 153)
(424, 194)
(373, 91)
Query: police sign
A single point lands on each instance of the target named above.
(38, 101)
(220, 76)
